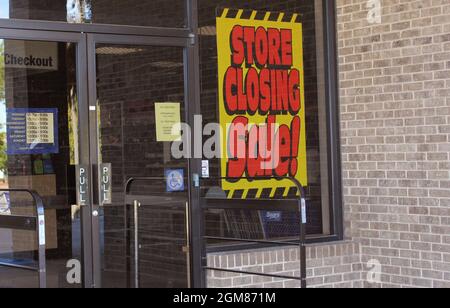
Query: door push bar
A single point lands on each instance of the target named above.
(296, 204)
(137, 204)
(29, 223)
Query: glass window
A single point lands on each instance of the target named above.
(273, 225)
(39, 151)
(152, 13)
(134, 83)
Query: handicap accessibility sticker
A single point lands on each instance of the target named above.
(175, 180)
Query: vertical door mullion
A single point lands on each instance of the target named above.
(192, 84)
(194, 165)
(93, 133)
(83, 115)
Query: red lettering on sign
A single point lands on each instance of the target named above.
(261, 80)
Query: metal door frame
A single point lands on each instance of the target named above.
(86, 35)
(83, 132)
(192, 107)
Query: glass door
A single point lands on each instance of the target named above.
(141, 200)
(43, 142)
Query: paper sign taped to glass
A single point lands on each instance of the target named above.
(261, 103)
(168, 119)
(32, 131)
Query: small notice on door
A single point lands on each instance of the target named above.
(168, 119)
(32, 131)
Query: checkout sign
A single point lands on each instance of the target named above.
(31, 55)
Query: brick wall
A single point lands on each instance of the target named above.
(395, 121)
(332, 265)
(395, 116)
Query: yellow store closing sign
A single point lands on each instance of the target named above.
(261, 102)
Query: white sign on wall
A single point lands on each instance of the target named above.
(31, 55)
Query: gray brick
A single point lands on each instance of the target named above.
(395, 80)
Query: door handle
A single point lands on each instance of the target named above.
(105, 184)
(83, 180)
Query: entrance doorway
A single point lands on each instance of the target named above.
(43, 140)
(81, 117)
(139, 83)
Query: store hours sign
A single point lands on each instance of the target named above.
(32, 131)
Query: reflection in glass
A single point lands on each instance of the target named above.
(4, 9)
(79, 11)
(38, 151)
(131, 80)
(284, 225)
(148, 13)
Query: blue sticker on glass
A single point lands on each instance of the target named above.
(175, 180)
(32, 131)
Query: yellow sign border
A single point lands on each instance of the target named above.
(224, 26)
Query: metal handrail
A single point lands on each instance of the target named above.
(136, 204)
(39, 224)
(301, 203)
(140, 179)
(301, 207)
